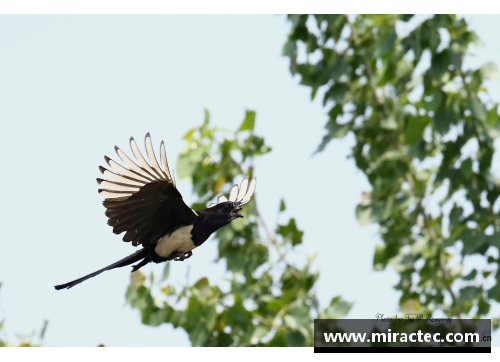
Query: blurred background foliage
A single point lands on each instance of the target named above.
(32, 339)
(268, 300)
(424, 140)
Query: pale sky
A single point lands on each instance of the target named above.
(72, 87)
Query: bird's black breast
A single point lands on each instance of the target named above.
(207, 223)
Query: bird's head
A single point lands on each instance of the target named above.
(228, 210)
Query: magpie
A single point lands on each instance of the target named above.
(143, 201)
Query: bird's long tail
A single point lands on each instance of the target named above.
(138, 255)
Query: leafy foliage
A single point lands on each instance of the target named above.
(270, 302)
(424, 140)
(25, 340)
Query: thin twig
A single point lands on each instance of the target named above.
(272, 239)
(315, 304)
(263, 321)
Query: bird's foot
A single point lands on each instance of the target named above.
(179, 256)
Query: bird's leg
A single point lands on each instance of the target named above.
(179, 256)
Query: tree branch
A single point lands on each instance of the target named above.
(272, 239)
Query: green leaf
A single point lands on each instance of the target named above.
(295, 339)
(336, 92)
(340, 67)
(472, 241)
(390, 155)
(166, 271)
(206, 120)
(282, 205)
(443, 119)
(189, 135)
(435, 102)
(248, 122)
(289, 49)
(258, 333)
(483, 306)
(495, 323)
(466, 168)
(334, 129)
(44, 329)
(489, 71)
(275, 305)
(290, 232)
(202, 283)
(494, 292)
(379, 258)
(439, 65)
(211, 317)
(386, 40)
(389, 123)
(279, 339)
(471, 275)
(337, 309)
(198, 335)
(337, 130)
(365, 215)
(414, 129)
(467, 296)
(477, 108)
(492, 116)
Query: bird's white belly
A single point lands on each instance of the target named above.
(179, 240)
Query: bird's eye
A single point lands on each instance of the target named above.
(227, 208)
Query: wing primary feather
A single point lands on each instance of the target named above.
(121, 182)
(120, 219)
(250, 191)
(140, 158)
(243, 189)
(143, 230)
(212, 205)
(122, 171)
(164, 161)
(113, 195)
(133, 224)
(117, 192)
(233, 193)
(110, 186)
(129, 236)
(111, 176)
(173, 178)
(122, 204)
(152, 157)
(221, 199)
(120, 213)
(131, 164)
(131, 209)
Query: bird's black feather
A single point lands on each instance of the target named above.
(138, 255)
(157, 209)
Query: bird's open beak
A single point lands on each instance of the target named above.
(235, 214)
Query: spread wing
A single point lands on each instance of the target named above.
(239, 195)
(142, 200)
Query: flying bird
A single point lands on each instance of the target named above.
(143, 202)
